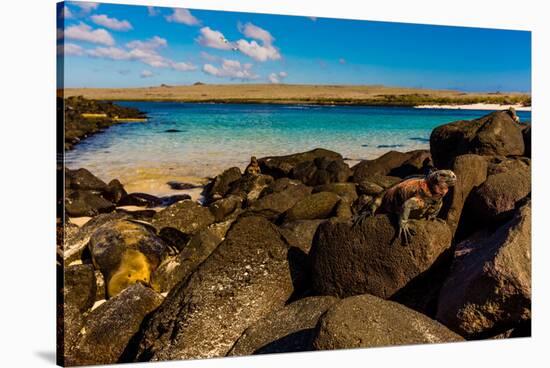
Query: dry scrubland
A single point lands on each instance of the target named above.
(285, 93)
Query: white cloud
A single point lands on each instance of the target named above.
(113, 53)
(213, 39)
(86, 7)
(209, 57)
(71, 49)
(146, 74)
(252, 31)
(66, 13)
(257, 51)
(84, 32)
(277, 77)
(182, 66)
(182, 16)
(150, 44)
(152, 11)
(231, 69)
(111, 23)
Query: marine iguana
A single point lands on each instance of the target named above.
(414, 197)
(253, 168)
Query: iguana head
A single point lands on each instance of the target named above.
(440, 181)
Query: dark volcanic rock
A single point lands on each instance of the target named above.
(250, 187)
(187, 217)
(109, 328)
(489, 287)
(290, 329)
(246, 278)
(280, 198)
(86, 203)
(79, 286)
(496, 198)
(418, 163)
(367, 321)
(527, 140)
(471, 171)
(176, 269)
(281, 166)
(346, 191)
(222, 183)
(367, 258)
(382, 165)
(83, 179)
(177, 185)
(115, 191)
(315, 206)
(300, 233)
(495, 134)
(320, 171)
(140, 200)
(225, 206)
(125, 252)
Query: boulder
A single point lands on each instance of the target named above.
(346, 191)
(497, 197)
(115, 191)
(79, 287)
(300, 233)
(222, 183)
(322, 170)
(176, 269)
(225, 206)
(279, 199)
(489, 286)
(79, 203)
(83, 179)
(365, 321)
(418, 163)
(109, 328)
(281, 166)
(140, 200)
(315, 206)
(246, 278)
(250, 187)
(286, 330)
(527, 140)
(125, 252)
(382, 165)
(366, 257)
(495, 134)
(187, 217)
(471, 171)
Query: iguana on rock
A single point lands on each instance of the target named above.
(412, 198)
(253, 168)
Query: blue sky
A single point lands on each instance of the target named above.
(109, 45)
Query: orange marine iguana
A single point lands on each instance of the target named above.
(412, 198)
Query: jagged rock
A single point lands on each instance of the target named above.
(495, 134)
(222, 183)
(186, 217)
(368, 258)
(527, 140)
(496, 198)
(320, 171)
(140, 200)
(250, 187)
(279, 199)
(489, 286)
(367, 321)
(125, 252)
(81, 203)
(281, 166)
(418, 163)
(79, 287)
(115, 191)
(369, 188)
(247, 277)
(471, 171)
(225, 206)
(300, 233)
(346, 191)
(109, 327)
(176, 269)
(83, 179)
(315, 206)
(381, 166)
(286, 330)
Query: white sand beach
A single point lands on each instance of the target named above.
(478, 106)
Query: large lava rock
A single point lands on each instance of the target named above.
(281, 166)
(83, 179)
(471, 171)
(315, 206)
(368, 258)
(219, 187)
(322, 170)
(300, 233)
(186, 217)
(367, 321)
(79, 286)
(489, 287)
(496, 198)
(125, 252)
(290, 329)
(279, 197)
(346, 191)
(247, 277)
(392, 163)
(495, 134)
(79, 203)
(109, 327)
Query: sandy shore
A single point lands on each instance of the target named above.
(477, 106)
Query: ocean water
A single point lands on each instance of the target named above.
(208, 138)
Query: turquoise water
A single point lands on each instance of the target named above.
(211, 137)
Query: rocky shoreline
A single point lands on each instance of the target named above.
(273, 260)
(82, 117)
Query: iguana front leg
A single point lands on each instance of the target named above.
(410, 204)
(369, 209)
